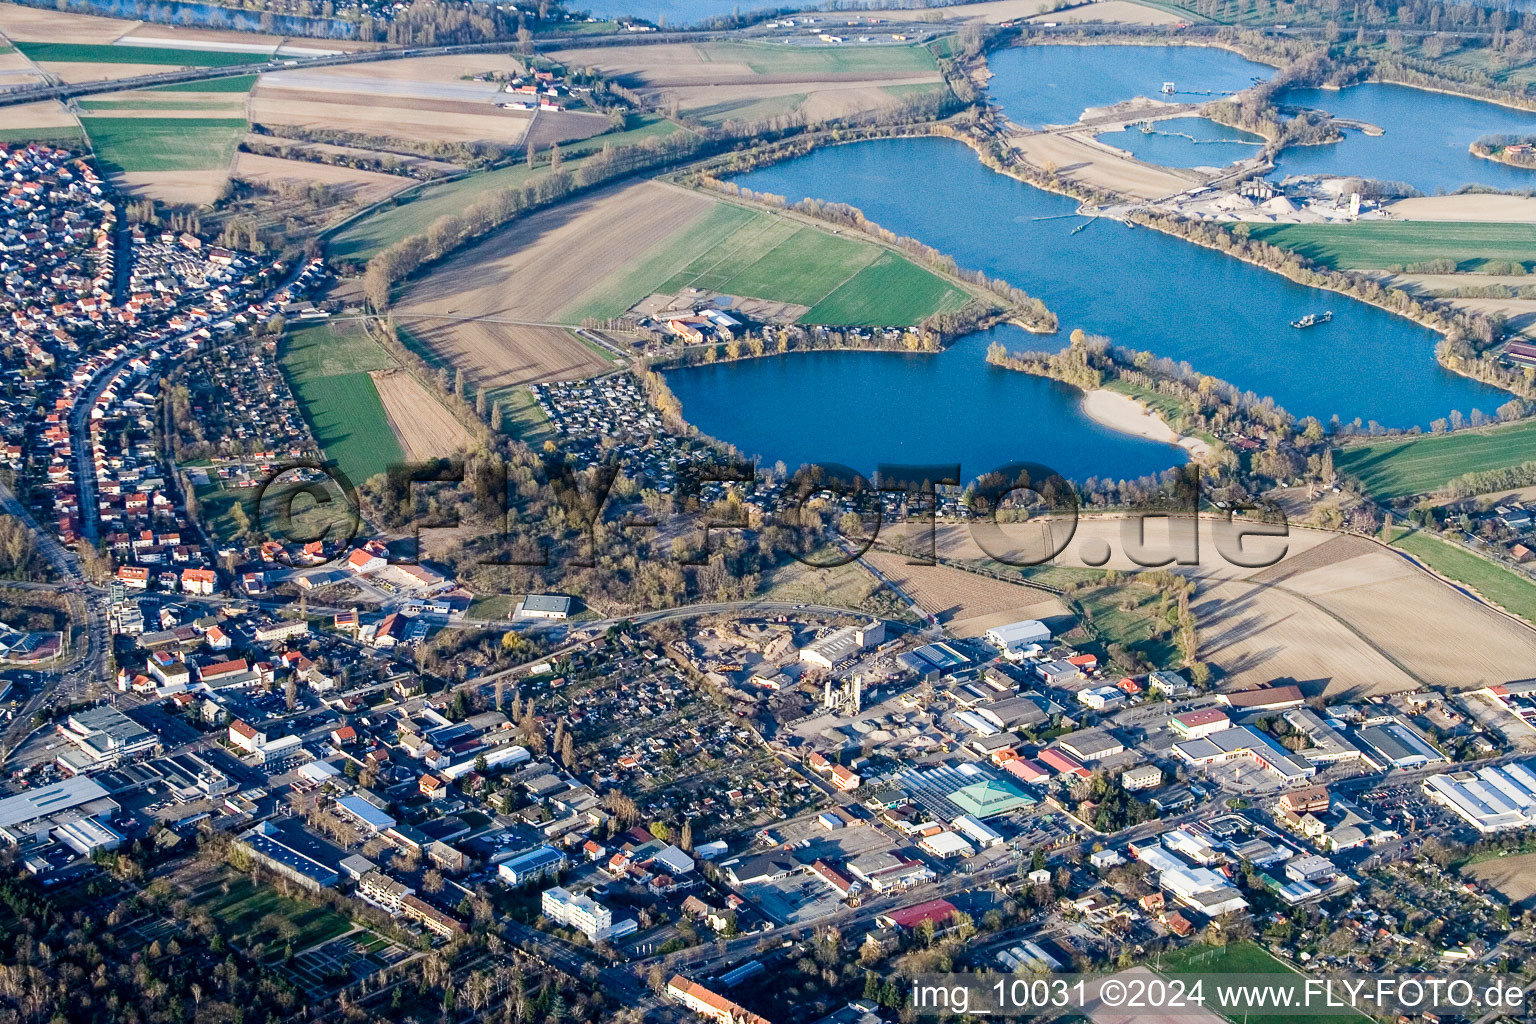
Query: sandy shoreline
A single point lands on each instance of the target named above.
(1127, 415)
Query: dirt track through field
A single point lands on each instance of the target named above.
(424, 427)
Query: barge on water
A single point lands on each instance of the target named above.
(1313, 319)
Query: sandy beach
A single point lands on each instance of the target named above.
(1125, 414)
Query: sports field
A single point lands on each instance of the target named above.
(164, 144)
(1379, 245)
(328, 367)
(1422, 465)
(98, 53)
(1506, 588)
(412, 215)
(736, 251)
(1243, 957)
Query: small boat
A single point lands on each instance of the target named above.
(1313, 319)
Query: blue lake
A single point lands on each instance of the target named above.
(1037, 85)
(1186, 142)
(1143, 289)
(859, 409)
(1427, 134)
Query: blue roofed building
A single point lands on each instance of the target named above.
(539, 862)
(294, 852)
(365, 813)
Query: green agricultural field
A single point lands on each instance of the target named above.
(1504, 587)
(230, 106)
(1379, 245)
(748, 109)
(738, 251)
(892, 291)
(1422, 465)
(913, 89)
(64, 133)
(164, 144)
(412, 214)
(235, 83)
(327, 366)
(777, 59)
(107, 53)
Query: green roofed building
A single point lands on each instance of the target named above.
(990, 798)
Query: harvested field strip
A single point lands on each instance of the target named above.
(164, 144)
(775, 59)
(747, 109)
(1379, 245)
(423, 426)
(329, 367)
(1384, 598)
(1400, 469)
(96, 53)
(412, 215)
(1514, 876)
(1505, 587)
(969, 604)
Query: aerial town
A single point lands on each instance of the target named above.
(534, 514)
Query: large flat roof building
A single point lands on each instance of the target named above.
(31, 815)
(843, 645)
(1017, 635)
(1243, 742)
(105, 735)
(365, 813)
(294, 852)
(1397, 745)
(1492, 799)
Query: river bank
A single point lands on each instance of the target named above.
(1121, 412)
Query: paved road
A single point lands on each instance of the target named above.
(59, 558)
(706, 959)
